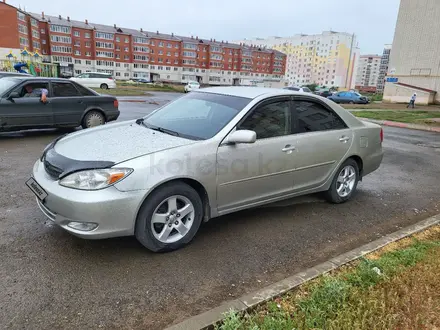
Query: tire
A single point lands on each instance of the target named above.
(148, 232)
(351, 102)
(92, 119)
(103, 86)
(341, 196)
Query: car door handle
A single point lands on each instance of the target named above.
(344, 139)
(288, 148)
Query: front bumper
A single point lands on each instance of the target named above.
(112, 210)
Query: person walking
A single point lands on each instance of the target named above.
(412, 101)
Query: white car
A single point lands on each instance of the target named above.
(95, 80)
(298, 89)
(192, 85)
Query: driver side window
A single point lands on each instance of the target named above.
(33, 89)
(270, 120)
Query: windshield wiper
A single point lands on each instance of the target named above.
(141, 121)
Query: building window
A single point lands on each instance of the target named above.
(88, 62)
(160, 44)
(189, 54)
(118, 56)
(104, 54)
(87, 35)
(141, 57)
(118, 65)
(160, 60)
(118, 74)
(107, 45)
(176, 69)
(56, 58)
(88, 44)
(126, 57)
(176, 61)
(88, 54)
(160, 52)
(176, 54)
(23, 29)
(189, 46)
(60, 28)
(77, 52)
(76, 33)
(169, 45)
(168, 53)
(36, 44)
(105, 63)
(126, 40)
(141, 49)
(140, 40)
(61, 39)
(125, 49)
(126, 65)
(118, 39)
(102, 35)
(21, 16)
(168, 68)
(78, 71)
(77, 43)
(35, 34)
(61, 49)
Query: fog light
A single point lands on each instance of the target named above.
(83, 226)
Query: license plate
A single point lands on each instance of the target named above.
(36, 189)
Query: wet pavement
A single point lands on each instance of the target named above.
(50, 279)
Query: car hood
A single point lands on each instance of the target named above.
(116, 143)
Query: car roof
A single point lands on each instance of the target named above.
(248, 92)
(14, 74)
(39, 78)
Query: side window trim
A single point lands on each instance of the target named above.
(27, 82)
(317, 101)
(263, 103)
(67, 83)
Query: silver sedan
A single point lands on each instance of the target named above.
(209, 153)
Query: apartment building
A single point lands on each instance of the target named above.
(327, 59)
(83, 46)
(384, 62)
(414, 61)
(368, 73)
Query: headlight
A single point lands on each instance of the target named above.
(95, 179)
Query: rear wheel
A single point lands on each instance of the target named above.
(92, 119)
(344, 183)
(170, 218)
(104, 86)
(351, 102)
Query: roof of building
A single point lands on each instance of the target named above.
(66, 21)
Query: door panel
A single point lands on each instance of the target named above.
(26, 110)
(323, 140)
(250, 173)
(254, 172)
(67, 104)
(318, 154)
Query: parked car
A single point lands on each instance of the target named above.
(349, 97)
(324, 93)
(14, 74)
(298, 89)
(209, 153)
(67, 104)
(191, 86)
(95, 80)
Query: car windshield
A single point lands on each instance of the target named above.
(357, 94)
(6, 83)
(197, 115)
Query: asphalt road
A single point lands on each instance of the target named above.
(50, 279)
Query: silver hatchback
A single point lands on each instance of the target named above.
(209, 153)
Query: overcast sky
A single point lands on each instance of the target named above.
(373, 21)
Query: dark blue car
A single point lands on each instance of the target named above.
(349, 97)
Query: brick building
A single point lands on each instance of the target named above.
(82, 46)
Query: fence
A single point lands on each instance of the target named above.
(35, 68)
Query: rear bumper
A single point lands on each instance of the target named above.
(372, 162)
(113, 115)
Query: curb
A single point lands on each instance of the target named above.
(402, 125)
(248, 301)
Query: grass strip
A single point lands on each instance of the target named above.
(397, 287)
(414, 117)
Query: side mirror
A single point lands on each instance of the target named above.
(14, 95)
(242, 136)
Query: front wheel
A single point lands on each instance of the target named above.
(170, 218)
(104, 86)
(344, 183)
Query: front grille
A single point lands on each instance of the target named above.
(52, 170)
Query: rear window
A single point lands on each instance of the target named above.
(85, 91)
(100, 75)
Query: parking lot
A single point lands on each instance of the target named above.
(50, 279)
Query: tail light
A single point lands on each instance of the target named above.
(116, 103)
(381, 135)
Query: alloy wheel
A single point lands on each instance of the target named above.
(346, 181)
(172, 219)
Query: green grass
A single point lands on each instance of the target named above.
(365, 295)
(415, 117)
